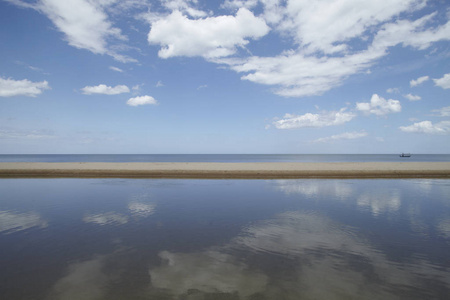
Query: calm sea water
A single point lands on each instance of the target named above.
(224, 239)
(221, 158)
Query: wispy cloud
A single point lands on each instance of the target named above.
(393, 90)
(323, 119)
(443, 112)
(115, 69)
(85, 24)
(26, 134)
(428, 127)
(412, 97)
(418, 81)
(342, 136)
(10, 87)
(105, 90)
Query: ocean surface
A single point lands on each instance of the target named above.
(235, 158)
(224, 239)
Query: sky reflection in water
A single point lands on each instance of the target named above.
(229, 239)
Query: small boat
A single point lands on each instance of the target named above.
(405, 155)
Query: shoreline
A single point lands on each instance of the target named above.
(190, 170)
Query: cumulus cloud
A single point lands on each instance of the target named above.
(142, 100)
(443, 82)
(210, 37)
(418, 81)
(379, 106)
(428, 127)
(412, 97)
(104, 89)
(10, 87)
(342, 136)
(323, 119)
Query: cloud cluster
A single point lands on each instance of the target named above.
(324, 32)
(379, 106)
(323, 119)
(10, 87)
(105, 90)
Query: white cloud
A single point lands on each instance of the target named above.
(299, 75)
(116, 69)
(412, 97)
(379, 106)
(443, 82)
(323, 119)
(428, 127)
(84, 23)
(327, 25)
(342, 136)
(10, 87)
(106, 90)
(142, 100)
(211, 37)
(418, 81)
(159, 84)
(443, 112)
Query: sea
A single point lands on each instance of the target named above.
(118, 238)
(231, 158)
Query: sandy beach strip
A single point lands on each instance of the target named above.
(227, 170)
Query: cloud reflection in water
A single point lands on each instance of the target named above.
(12, 222)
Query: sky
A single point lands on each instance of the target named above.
(226, 76)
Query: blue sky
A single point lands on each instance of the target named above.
(256, 76)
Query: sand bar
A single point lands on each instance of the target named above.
(264, 170)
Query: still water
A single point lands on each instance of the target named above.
(224, 239)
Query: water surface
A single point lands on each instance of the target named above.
(224, 239)
(228, 158)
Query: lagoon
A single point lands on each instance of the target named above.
(224, 239)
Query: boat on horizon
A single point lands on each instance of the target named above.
(405, 155)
